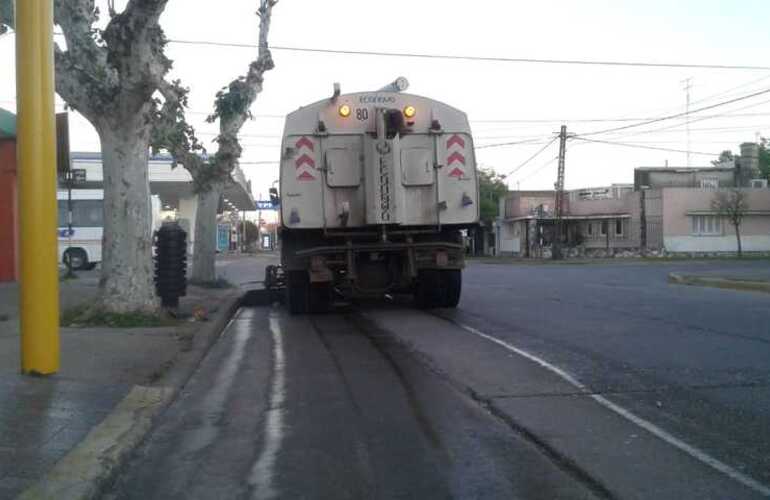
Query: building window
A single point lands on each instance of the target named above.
(706, 225)
(590, 229)
(709, 183)
(603, 228)
(618, 227)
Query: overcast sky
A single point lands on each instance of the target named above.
(683, 31)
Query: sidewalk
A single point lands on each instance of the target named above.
(752, 280)
(112, 382)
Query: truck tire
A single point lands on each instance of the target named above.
(427, 292)
(452, 284)
(320, 299)
(298, 291)
(76, 257)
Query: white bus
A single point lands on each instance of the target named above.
(82, 245)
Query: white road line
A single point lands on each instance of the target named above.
(653, 429)
(262, 472)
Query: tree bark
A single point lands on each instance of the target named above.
(127, 281)
(205, 249)
(738, 236)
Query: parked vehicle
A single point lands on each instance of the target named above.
(80, 241)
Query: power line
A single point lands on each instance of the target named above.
(593, 120)
(209, 113)
(539, 151)
(673, 129)
(730, 90)
(677, 115)
(514, 143)
(639, 146)
(538, 169)
(583, 62)
(507, 136)
(256, 136)
(694, 120)
(727, 92)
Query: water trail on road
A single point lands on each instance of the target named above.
(261, 477)
(214, 401)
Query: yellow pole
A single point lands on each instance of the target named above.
(36, 153)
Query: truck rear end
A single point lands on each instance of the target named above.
(375, 190)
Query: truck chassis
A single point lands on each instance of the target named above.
(322, 266)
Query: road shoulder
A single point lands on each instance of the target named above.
(566, 421)
(724, 282)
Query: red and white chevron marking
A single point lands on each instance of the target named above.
(305, 163)
(457, 156)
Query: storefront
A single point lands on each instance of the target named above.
(8, 211)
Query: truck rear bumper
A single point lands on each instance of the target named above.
(378, 247)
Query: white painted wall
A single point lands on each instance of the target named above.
(187, 209)
(508, 242)
(726, 243)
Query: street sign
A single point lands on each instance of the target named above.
(265, 205)
(62, 142)
(78, 175)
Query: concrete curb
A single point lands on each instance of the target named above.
(725, 283)
(204, 339)
(93, 463)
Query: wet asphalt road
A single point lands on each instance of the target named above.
(383, 401)
(693, 360)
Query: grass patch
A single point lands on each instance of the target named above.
(717, 282)
(87, 316)
(217, 283)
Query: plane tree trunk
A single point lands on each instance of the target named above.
(210, 173)
(109, 76)
(127, 266)
(205, 248)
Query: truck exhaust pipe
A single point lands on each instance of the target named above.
(400, 84)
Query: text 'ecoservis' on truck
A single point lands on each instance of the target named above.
(375, 190)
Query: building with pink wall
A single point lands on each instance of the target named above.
(690, 224)
(667, 211)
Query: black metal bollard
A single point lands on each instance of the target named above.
(170, 264)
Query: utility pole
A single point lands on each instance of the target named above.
(36, 151)
(559, 229)
(687, 86)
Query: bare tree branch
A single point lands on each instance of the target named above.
(172, 133)
(733, 205)
(232, 104)
(136, 43)
(84, 78)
